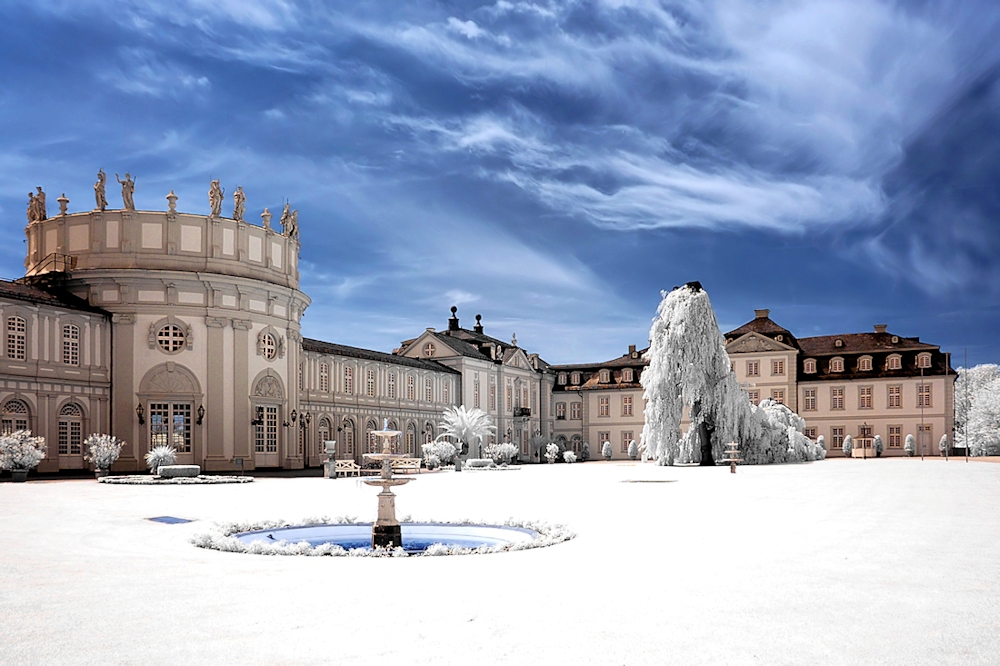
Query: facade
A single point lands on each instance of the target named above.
(172, 328)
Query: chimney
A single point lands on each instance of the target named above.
(478, 328)
(761, 314)
(631, 350)
(453, 320)
(880, 328)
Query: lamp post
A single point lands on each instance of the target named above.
(864, 441)
(923, 401)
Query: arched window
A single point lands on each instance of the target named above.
(14, 417)
(411, 439)
(605, 376)
(71, 344)
(349, 381)
(370, 383)
(370, 427)
(894, 362)
(70, 429)
(836, 364)
(445, 392)
(16, 338)
(349, 434)
(324, 377)
(561, 379)
(924, 360)
(322, 436)
(575, 378)
(411, 388)
(865, 363)
(809, 366)
(428, 390)
(627, 376)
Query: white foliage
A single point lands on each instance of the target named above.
(848, 445)
(431, 461)
(19, 450)
(688, 365)
(159, 456)
(878, 445)
(438, 451)
(633, 450)
(969, 386)
(943, 444)
(102, 450)
(606, 450)
(502, 452)
(467, 426)
(984, 421)
(551, 452)
(821, 442)
(569, 457)
(910, 445)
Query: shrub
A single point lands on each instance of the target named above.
(943, 444)
(910, 445)
(551, 452)
(431, 461)
(160, 456)
(821, 440)
(19, 450)
(633, 450)
(569, 456)
(606, 450)
(102, 450)
(442, 450)
(585, 452)
(480, 462)
(501, 453)
(878, 446)
(848, 445)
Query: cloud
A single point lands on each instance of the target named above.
(141, 72)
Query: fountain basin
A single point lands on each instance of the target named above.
(417, 537)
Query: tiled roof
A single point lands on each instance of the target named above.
(854, 343)
(461, 346)
(764, 326)
(371, 355)
(591, 376)
(48, 296)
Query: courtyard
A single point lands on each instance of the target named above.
(889, 561)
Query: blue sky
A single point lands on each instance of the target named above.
(551, 166)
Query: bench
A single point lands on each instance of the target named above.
(175, 471)
(347, 468)
(406, 465)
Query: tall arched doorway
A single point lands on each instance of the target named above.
(171, 395)
(267, 402)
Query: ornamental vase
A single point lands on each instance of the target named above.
(19, 475)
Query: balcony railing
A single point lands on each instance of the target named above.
(54, 263)
(522, 411)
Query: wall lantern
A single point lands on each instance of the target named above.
(294, 415)
(201, 414)
(141, 413)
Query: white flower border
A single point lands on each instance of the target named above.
(221, 538)
(150, 480)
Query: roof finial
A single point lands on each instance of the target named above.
(478, 328)
(453, 321)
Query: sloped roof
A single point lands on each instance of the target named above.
(859, 342)
(764, 326)
(47, 296)
(320, 347)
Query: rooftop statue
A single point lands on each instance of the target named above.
(239, 204)
(266, 216)
(128, 189)
(215, 194)
(286, 218)
(36, 206)
(32, 213)
(293, 225)
(99, 196)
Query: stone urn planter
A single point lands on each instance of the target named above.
(19, 475)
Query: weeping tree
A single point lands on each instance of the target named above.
(467, 427)
(689, 367)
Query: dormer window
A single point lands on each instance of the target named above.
(837, 364)
(628, 376)
(865, 363)
(605, 376)
(809, 366)
(779, 337)
(429, 349)
(894, 362)
(575, 378)
(924, 360)
(895, 339)
(561, 379)
(838, 343)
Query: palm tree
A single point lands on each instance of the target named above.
(466, 426)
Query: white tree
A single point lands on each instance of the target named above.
(984, 421)
(688, 365)
(848, 445)
(466, 426)
(551, 452)
(633, 450)
(606, 450)
(970, 383)
(910, 445)
(877, 444)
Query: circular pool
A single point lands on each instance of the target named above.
(417, 537)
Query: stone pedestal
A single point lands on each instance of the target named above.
(387, 536)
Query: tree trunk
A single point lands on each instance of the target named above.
(705, 435)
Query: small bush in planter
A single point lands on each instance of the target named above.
(102, 450)
(20, 452)
(160, 456)
(633, 450)
(431, 461)
(585, 452)
(474, 463)
(501, 453)
(569, 457)
(848, 446)
(606, 450)
(551, 452)
(910, 445)
(878, 446)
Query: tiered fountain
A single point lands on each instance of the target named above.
(386, 532)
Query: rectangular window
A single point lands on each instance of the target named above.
(411, 388)
(604, 408)
(576, 411)
(778, 395)
(864, 397)
(301, 376)
(349, 381)
(493, 397)
(626, 438)
(560, 411)
(837, 397)
(895, 436)
(428, 390)
(923, 395)
(445, 392)
(627, 376)
(391, 385)
(777, 367)
(170, 425)
(895, 396)
(16, 337)
(70, 437)
(626, 405)
(266, 440)
(370, 383)
(71, 344)
(754, 396)
(809, 432)
(837, 436)
(604, 437)
(475, 394)
(324, 378)
(753, 368)
(510, 398)
(809, 399)
(605, 376)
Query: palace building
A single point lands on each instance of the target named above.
(162, 327)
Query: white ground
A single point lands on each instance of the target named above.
(836, 562)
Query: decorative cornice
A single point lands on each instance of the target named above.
(123, 318)
(216, 322)
(242, 324)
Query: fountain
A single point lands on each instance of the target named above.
(386, 532)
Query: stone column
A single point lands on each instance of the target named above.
(123, 399)
(241, 392)
(215, 458)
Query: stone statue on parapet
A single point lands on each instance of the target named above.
(128, 189)
(266, 217)
(286, 218)
(215, 195)
(293, 225)
(36, 206)
(99, 196)
(239, 204)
